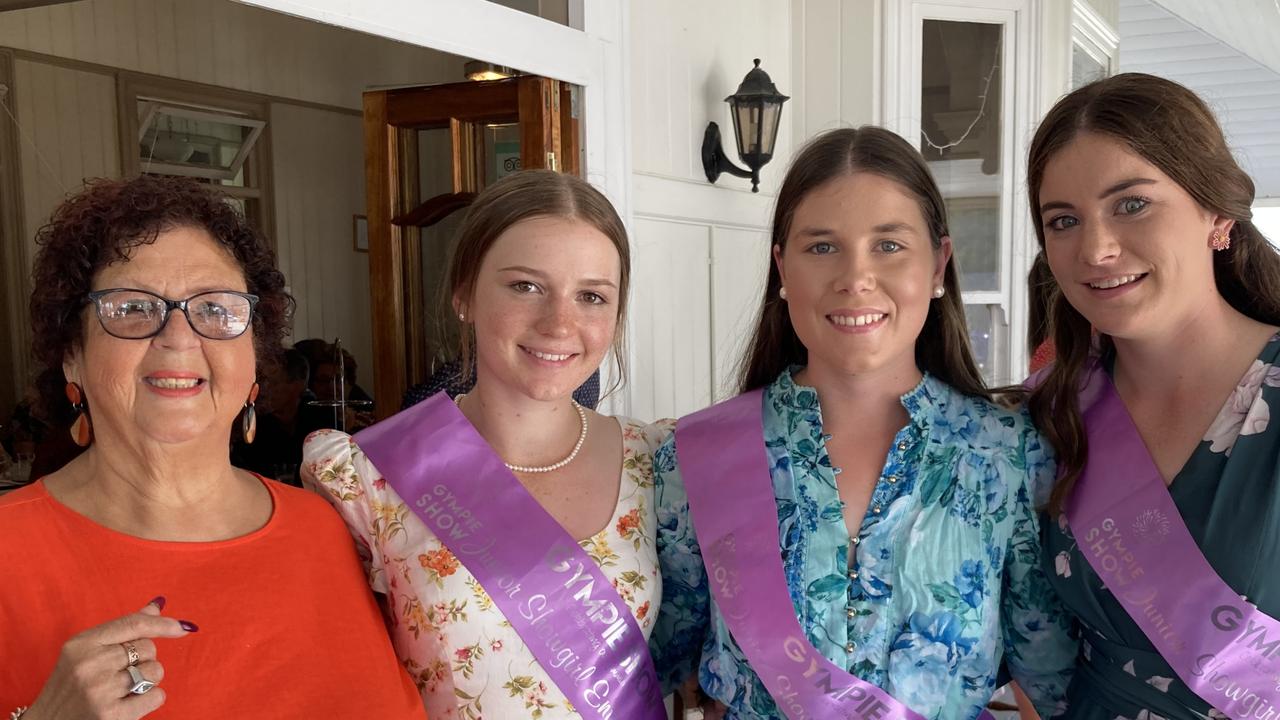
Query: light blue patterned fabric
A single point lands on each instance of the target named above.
(946, 581)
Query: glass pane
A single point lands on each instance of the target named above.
(772, 111)
(973, 221)
(746, 118)
(435, 165)
(435, 178)
(201, 143)
(437, 244)
(238, 180)
(1085, 68)
(556, 11)
(978, 318)
(961, 125)
(501, 151)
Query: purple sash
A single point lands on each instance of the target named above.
(735, 517)
(553, 593)
(1127, 527)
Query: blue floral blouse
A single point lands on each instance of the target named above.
(946, 578)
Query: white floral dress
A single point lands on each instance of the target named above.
(460, 650)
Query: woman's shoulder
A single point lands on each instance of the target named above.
(334, 464)
(651, 434)
(984, 425)
(24, 511)
(327, 446)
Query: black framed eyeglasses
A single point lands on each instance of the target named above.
(131, 314)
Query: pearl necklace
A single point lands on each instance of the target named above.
(577, 447)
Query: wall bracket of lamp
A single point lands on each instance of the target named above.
(756, 108)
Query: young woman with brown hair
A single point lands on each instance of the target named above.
(1166, 507)
(854, 536)
(510, 533)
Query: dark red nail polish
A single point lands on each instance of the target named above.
(158, 601)
(188, 625)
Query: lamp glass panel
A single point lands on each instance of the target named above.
(746, 126)
(772, 112)
(962, 121)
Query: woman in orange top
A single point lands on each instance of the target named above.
(144, 294)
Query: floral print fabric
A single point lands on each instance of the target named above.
(945, 581)
(1228, 494)
(460, 650)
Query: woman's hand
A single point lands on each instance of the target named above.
(698, 704)
(91, 679)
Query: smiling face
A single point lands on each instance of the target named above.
(177, 386)
(860, 269)
(1128, 245)
(544, 306)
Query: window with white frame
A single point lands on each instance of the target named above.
(1095, 46)
(171, 127)
(958, 84)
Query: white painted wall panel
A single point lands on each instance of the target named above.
(699, 249)
(671, 372)
(225, 43)
(739, 265)
(68, 121)
(685, 59)
(318, 162)
(837, 68)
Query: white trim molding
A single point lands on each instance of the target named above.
(1095, 36)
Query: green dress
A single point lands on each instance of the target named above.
(1228, 495)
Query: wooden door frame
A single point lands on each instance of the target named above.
(596, 58)
(15, 359)
(392, 118)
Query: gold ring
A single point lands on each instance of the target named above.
(132, 651)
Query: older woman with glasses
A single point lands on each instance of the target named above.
(148, 571)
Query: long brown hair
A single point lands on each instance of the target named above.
(521, 196)
(1041, 290)
(943, 346)
(1170, 127)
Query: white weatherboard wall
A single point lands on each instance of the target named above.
(700, 250)
(228, 44)
(70, 114)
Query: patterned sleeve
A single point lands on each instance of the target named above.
(1042, 468)
(1039, 646)
(334, 467)
(685, 613)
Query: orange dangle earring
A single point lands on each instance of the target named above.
(81, 429)
(249, 422)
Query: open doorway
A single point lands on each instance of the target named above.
(428, 151)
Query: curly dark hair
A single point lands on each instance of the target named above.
(102, 225)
